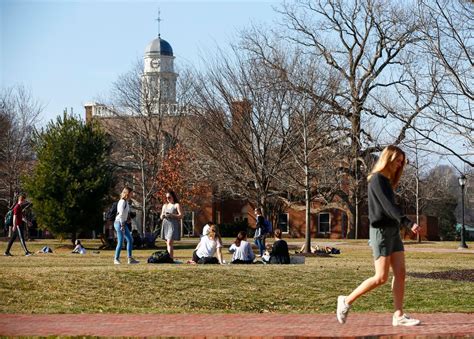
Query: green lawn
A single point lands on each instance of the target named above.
(66, 283)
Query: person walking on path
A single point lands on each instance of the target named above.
(171, 215)
(17, 227)
(385, 219)
(121, 228)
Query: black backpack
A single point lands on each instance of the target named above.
(160, 257)
(112, 213)
(9, 218)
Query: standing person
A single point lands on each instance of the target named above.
(385, 220)
(121, 228)
(241, 250)
(259, 236)
(171, 215)
(17, 227)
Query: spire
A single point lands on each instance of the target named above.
(159, 21)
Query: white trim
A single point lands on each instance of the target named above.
(192, 223)
(319, 223)
(287, 222)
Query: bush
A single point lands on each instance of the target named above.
(232, 229)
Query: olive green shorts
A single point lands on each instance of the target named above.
(385, 241)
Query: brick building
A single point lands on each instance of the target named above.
(159, 85)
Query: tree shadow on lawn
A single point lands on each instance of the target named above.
(455, 275)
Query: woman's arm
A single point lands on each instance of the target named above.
(120, 211)
(250, 253)
(180, 213)
(219, 255)
(384, 193)
(162, 216)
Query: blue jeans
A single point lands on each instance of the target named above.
(120, 235)
(260, 242)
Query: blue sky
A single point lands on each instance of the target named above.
(69, 52)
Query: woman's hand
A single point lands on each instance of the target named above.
(416, 228)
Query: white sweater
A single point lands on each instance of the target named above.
(122, 211)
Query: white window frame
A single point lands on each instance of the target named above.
(192, 223)
(319, 223)
(287, 221)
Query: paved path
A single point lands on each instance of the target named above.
(359, 325)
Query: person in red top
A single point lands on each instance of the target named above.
(17, 224)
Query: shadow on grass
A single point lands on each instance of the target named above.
(456, 275)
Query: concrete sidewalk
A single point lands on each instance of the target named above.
(359, 325)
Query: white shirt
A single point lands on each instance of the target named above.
(242, 252)
(207, 247)
(79, 249)
(206, 229)
(122, 211)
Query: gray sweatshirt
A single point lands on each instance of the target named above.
(383, 212)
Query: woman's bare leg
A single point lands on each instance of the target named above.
(382, 267)
(169, 246)
(398, 283)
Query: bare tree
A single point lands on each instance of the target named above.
(361, 44)
(241, 127)
(144, 127)
(447, 27)
(19, 113)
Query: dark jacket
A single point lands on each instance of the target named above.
(383, 212)
(280, 254)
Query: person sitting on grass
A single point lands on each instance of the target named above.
(241, 250)
(208, 246)
(79, 249)
(279, 253)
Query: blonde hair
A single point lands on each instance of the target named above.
(214, 233)
(388, 156)
(126, 190)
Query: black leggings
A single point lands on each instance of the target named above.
(17, 232)
(195, 257)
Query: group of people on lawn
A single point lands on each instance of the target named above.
(384, 215)
(209, 248)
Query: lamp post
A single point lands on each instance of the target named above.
(462, 183)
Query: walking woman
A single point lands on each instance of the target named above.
(171, 215)
(121, 228)
(385, 221)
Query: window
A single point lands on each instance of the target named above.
(188, 223)
(324, 223)
(283, 222)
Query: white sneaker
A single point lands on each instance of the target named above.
(132, 261)
(404, 320)
(116, 262)
(342, 309)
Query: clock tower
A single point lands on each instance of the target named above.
(159, 78)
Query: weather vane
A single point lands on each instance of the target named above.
(159, 20)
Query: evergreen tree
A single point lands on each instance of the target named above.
(72, 176)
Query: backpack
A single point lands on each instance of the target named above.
(112, 213)
(9, 218)
(267, 227)
(160, 257)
